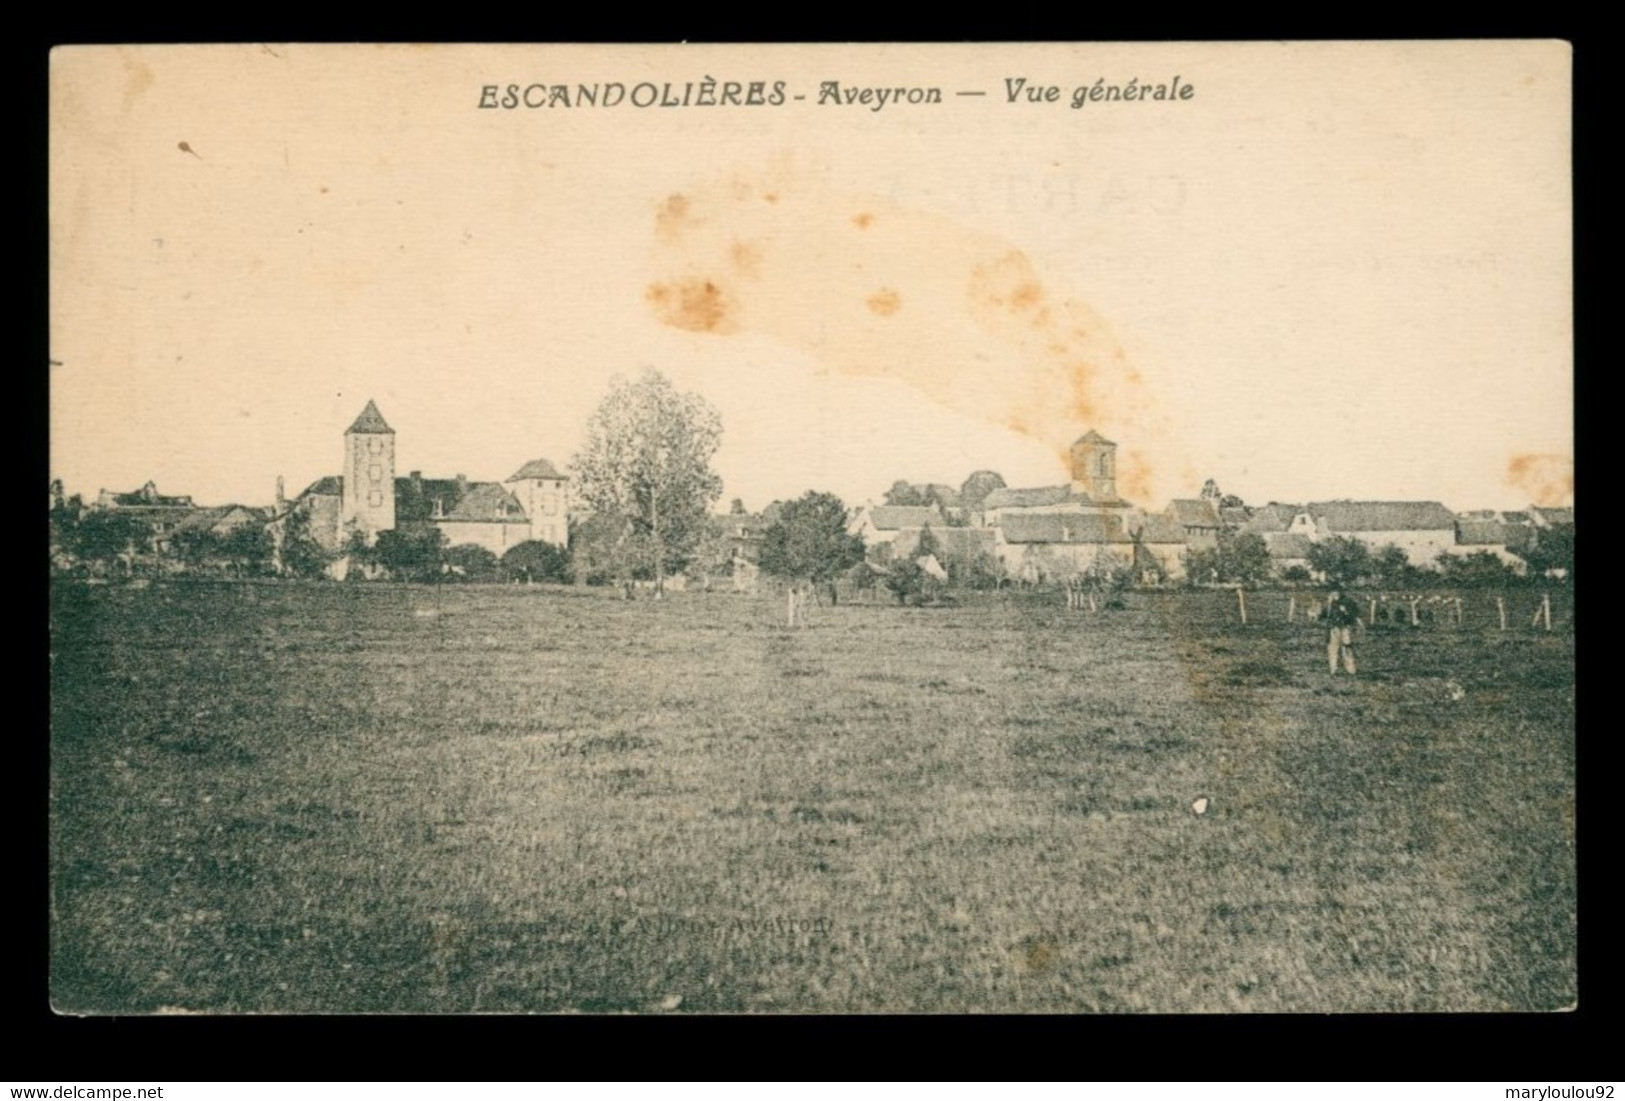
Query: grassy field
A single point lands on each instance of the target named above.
(286, 798)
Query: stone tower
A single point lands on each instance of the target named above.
(540, 489)
(369, 475)
(1094, 467)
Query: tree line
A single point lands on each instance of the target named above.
(644, 476)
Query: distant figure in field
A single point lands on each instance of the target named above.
(1342, 615)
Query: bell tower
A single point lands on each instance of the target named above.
(368, 503)
(1094, 467)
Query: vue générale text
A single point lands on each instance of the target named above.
(710, 92)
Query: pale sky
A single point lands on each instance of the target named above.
(1337, 270)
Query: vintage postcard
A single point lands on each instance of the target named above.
(806, 529)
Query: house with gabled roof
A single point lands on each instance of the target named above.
(1092, 490)
(160, 512)
(1422, 529)
(1199, 518)
(1053, 546)
(369, 498)
(1160, 545)
(218, 520)
(883, 524)
(1288, 550)
(954, 544)
(1506, 541)
(1287, 530)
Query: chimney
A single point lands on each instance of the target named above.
(462, 486)
(281, 497)
(417, 482)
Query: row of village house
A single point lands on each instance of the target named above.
(1039, 534)
(1054, 532)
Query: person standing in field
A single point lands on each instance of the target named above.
(1342, 616)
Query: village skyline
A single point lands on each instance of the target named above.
(1545, 496)
(408, 653)
(1362, 294)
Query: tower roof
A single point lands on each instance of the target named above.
(370, 422)
(1092, 436)
(538, 468)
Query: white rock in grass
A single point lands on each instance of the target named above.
(1200, 806)
(671, 1001)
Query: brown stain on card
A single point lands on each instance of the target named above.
(698, 305)
(884, 302)
(746, 257)
(985, 334)
(672, 218)
(1547, 479)
(139, 77)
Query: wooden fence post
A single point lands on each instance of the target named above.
(1241, 599)
(1458, 611)
(1501, 608)
(1546, 609)
(1291, 607)
(1371, 619)
(1415, 622)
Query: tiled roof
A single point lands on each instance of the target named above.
(487, 503)
(1343, 516)
(370, 422)
(1027, 498)
(1235, 514)
(415, 498)
(1490, 533)
(1092, 436)
(1194, 513)
(1162, 529)
(202, 519)
(1054, 528)
(537, 468)
(1270, 518)
(898, 517)
(1555, 516)
(205, 519)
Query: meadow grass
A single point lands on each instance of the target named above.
(378, 798)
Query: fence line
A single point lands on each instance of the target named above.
(1543, 611)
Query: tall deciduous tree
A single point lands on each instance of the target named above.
(109, 536)
(1342, 560)
(647, 464)
(533, 560)
(411, 555)
(1243, 556)
(808, 541)
(905, 493)
(976, 488)
(299, 554)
